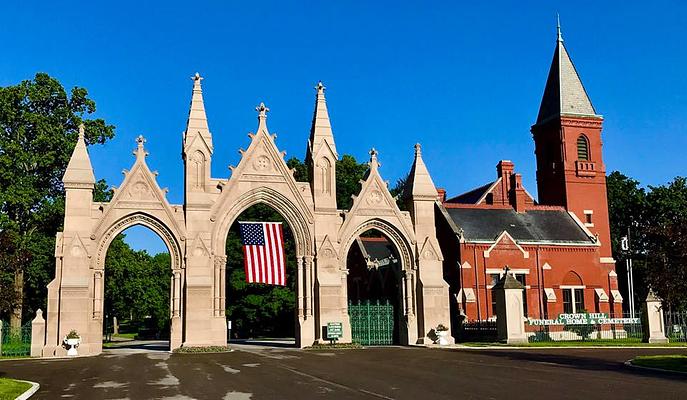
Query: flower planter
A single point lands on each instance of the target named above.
(71, 345)
(443, 338)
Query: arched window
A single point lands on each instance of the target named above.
(582, 148)
(573, 293)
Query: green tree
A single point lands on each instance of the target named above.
(627, 203)
(137, 288)
(657, 220)
(38, 130)
(665, 236)
(349, 172)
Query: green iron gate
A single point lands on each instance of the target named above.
(372, 324)
(15, 342)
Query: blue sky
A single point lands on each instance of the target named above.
(464, 80)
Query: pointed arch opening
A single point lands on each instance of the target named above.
(375, 290)
(264, 312)
(132, 271)
(136, 283)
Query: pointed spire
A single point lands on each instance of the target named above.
(262, 117)
(140, 151)
(197, 123)
(79, 170)
(564, 93)
(420, 184)
(321, 128)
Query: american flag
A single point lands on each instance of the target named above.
(263, 250)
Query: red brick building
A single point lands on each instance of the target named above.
(557, 246)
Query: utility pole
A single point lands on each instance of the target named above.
(625, 246)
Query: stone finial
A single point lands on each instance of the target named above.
(418, 149)
(558, 28)
(197, 88)
(39, 316)
(374, 163)
(651, 296)
(82, 131)
(262, 110)
(320, 87)
(140, 151)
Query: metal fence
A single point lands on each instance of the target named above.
(15, 342)
(625, 329)
(575, 328)
(676, 326)
(477, 331)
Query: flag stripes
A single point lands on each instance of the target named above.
(263, 251)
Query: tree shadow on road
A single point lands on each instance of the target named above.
(581, 362)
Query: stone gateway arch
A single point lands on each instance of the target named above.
(195, 234)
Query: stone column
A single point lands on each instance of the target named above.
(654, 326)
(408, 292)
(97, 294)
(176, 294)
(299, 285)
(308, 301)
(223, 286)
(37, 334)
(215, 296)
(220, 264)
(510, 322)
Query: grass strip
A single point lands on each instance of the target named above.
(673, 362)
(11, 389)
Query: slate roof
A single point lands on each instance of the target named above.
(486, 224)
(564, 92)
(472, 196)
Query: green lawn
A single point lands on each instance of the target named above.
(670, 362)
(130, 335)
(11, 389)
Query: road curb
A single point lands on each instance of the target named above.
(30, 392)
(629, 364)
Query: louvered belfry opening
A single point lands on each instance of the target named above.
(582, 148)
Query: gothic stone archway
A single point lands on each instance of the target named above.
(196, 232)
(75, 296)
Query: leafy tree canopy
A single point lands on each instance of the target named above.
(38, 129)
(657, 221)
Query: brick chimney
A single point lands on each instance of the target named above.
(442, 194)
(518, 196)
(504, 170)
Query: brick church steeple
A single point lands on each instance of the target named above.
(568, 147)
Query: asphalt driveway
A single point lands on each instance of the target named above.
(255, 372)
